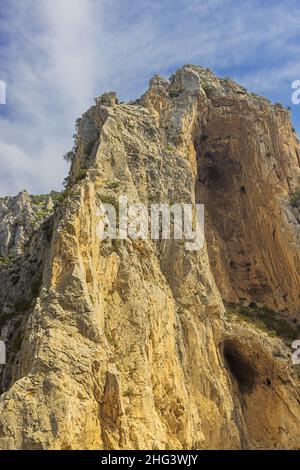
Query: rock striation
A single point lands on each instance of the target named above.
(141, 344)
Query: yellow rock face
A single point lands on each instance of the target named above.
(126, 344)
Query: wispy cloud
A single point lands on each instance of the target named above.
(56, 55)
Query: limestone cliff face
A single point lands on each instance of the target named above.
(128, 344)
(20, 216)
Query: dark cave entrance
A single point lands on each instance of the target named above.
(239, 366)
(214, 175)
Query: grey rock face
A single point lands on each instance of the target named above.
(20, 216)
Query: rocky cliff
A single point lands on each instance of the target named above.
(141, 344)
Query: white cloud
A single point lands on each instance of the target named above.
(50, 73)
(59, 54)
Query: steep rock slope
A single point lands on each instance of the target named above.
(125, 344)
(20, 216)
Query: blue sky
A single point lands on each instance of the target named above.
(57, 55)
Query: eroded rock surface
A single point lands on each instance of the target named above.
(125, 344)
(20, 216)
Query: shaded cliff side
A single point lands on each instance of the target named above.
(143, 344)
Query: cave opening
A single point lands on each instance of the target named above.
(213, 174)
(239, 366)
